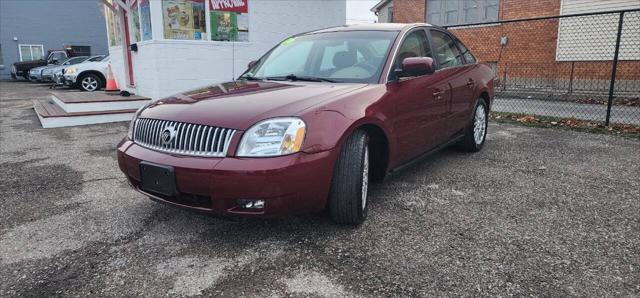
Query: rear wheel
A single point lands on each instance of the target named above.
(476, 132)
(89, 82)
(350, 183)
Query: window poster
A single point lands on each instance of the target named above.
(229, 20)
(135, 22)
(183, 19)
(113, 27)
(145, 19)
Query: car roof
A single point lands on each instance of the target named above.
(371, 27)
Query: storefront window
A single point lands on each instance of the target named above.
(113, 27)
(135, 22)
(183, 19)
(145, 19)
(229, 20)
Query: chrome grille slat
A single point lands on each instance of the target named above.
(145, 129)
(213, 141)
(195, 138)
(223, 133)
(190, 139)
(155, 136)
(149, 129)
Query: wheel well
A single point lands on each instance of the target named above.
(97, 73)
(486, 98)
(379, 146)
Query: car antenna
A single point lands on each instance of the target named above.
(233, 62)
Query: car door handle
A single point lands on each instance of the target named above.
(470, 83)
(438, 94)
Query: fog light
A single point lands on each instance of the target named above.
(251, 204)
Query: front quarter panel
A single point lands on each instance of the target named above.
(330, 124)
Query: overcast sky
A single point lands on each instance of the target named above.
(358, 11)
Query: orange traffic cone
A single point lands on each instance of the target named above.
(112, 85)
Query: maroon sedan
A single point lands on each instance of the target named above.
(313, 122)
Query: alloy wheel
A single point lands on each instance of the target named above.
(365, 177)
(89, 84)
(480, 124)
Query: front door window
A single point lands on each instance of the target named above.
(414, 45)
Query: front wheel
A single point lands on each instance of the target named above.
(90, 82)
(476, 132)
(350, 183)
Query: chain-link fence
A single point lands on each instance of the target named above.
(583, 66)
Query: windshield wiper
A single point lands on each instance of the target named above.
(293, 77)
(250, 78)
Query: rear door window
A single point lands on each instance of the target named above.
(468, 57)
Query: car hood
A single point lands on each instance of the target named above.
(50, 66)
(240, 104)
(53, 69)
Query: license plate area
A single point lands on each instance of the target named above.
(157, 179)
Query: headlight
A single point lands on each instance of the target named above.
(133, 121)
(70, 70)
(273, 137)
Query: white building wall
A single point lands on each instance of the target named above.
(165, 67)
(593, 38)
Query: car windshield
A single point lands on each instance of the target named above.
(75, 60)
(95, 58)
(349, 56)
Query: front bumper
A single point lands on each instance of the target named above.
(47, 77)
(35, 76)
(292, 184)
(70, 79)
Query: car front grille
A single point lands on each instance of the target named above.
(182, 138)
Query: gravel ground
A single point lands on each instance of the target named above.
(537, 212)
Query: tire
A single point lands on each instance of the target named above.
(476, 132)
(350, 182)
(89, 82)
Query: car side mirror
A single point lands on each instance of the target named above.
(416, 66)
(53, 61)
(251, 64)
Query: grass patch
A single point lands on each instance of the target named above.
(624, 130)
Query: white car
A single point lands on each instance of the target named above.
(88, 76)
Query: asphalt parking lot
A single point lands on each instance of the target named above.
(537, 212)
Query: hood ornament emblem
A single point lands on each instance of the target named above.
(168, 134)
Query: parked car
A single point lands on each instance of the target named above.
(87, 76)
(36, 74)
(311, 123)
(47, 72)
(21, 69)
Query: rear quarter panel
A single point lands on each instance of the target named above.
(485, 76)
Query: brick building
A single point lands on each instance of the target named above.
(556, 53)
